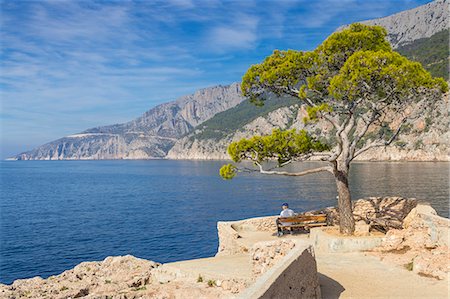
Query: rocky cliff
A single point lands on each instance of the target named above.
(201, 125)
(420, 22)
(424, 139)
(149, 136)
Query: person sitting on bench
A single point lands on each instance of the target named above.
(285, 212)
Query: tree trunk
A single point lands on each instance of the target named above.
(346, 220)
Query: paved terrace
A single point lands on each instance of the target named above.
(342, 275)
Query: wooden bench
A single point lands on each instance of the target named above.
(301, 221)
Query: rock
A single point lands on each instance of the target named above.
(266, 254)
(417, 244)
(362, 228)
(420, 22)
(433, 140)
(391, 210)
(413, 217)
(149, 136)
(114, 277)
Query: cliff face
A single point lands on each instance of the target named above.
(420, 22)
(425, 139)
(192, 128)
(149, 136)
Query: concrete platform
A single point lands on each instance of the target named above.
(341, 274)
(358, 275)
(234, 267)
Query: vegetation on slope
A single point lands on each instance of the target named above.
(432, 53)
(231, 120)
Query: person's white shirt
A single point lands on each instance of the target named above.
(287, 213)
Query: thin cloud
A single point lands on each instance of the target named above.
(242, 34)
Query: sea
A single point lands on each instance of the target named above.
(56, 214)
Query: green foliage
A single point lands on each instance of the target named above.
(428, 123)
(353, 74)
(314, 111)
(211, 283)
(230, 120)
(401, 144)
(385, 131)
(406, 128)
(337, 48)
(418, 144)
(228, 171)
(280, 145)
(409, 266)
(199, 278)
(283, 69)
(351, 63)
(381, 72)
(431, 52)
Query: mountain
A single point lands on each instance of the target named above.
(149, 136)
(432, 52)
(421, 34)
(413, 24)
(424, 139)
(201, 125)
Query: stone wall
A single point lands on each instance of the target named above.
(266, 224)
(265, 255)
(228, 240)
(294, 276)
(228, 232)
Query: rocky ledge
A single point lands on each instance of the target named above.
(416, 240)
(115, 277)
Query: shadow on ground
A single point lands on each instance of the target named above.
(330, 288)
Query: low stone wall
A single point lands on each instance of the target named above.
(265, 255)
(265, 224)
(228, 239)
(294, 276)
(327, 240)
(228, 232)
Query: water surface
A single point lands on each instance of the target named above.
(56, 214)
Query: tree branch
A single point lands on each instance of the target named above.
(285, 173)
(378, 143)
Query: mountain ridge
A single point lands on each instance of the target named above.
(201, 121)
(412, 24)
(146, 137)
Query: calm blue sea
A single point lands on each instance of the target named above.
(56, 214)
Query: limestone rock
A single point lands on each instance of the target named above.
(265, 255)
(417, 246)
(391, 209)
(426, 144)
(149, 136)
(115, 277)
(409, 25)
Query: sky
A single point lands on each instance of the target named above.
(66, 66)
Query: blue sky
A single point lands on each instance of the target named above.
(70, 65)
